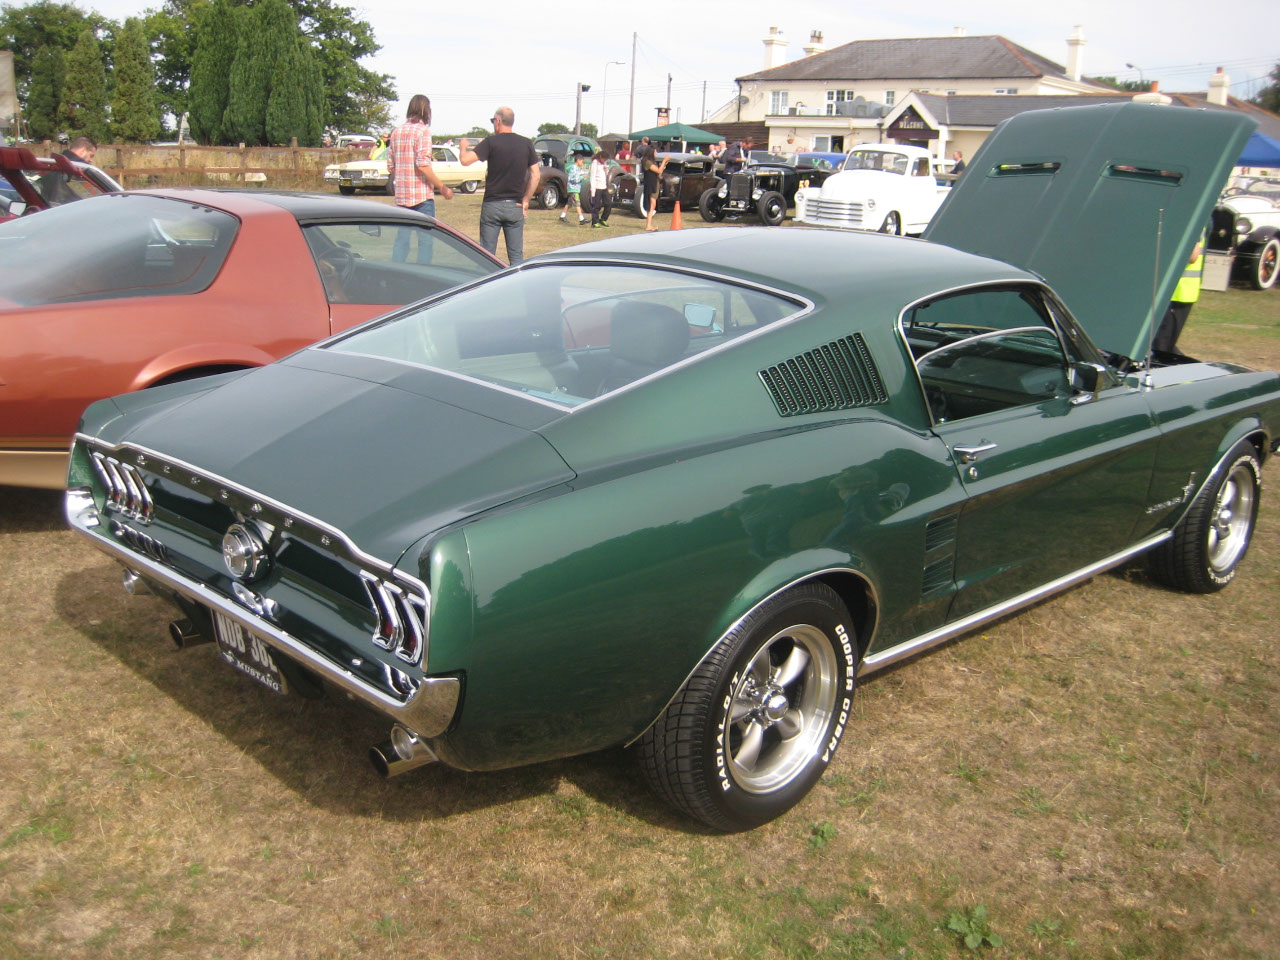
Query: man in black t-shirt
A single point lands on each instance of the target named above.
(510, 183)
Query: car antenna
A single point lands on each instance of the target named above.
(1147, 382)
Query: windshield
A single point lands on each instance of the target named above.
(121, 245)
(882, 160)
(568, 333)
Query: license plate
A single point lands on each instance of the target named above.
(346, 181)
(247, 653)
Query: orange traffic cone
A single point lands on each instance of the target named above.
(676, 223)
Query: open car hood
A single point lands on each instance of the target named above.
(1105, 202)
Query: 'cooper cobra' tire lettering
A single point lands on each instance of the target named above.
(755, 725)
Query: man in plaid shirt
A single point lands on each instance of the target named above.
(414, 182)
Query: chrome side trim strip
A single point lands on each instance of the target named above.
(910, 648)
(427, 711)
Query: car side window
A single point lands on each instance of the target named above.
(384, 263)
(982, 351)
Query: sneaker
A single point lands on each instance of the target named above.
(563, 218)
(604, 223)
(582, 220)
(597, 225)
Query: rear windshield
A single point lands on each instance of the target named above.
(568, 333)
(119, 245)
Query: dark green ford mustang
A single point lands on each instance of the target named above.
(679, 492)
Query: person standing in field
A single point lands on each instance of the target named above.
(511, 181)
(414, 182)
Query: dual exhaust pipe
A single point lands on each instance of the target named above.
(405, 750)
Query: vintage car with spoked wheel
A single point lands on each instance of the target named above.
(677, 492)
(1244, 233)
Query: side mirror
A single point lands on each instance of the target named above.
(701, 315)
(1088, 380)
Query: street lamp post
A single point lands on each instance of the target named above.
(577, 120)
(604, 90)
(1141, 76)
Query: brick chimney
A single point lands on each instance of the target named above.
(774, 48)
(1075, 54)
(815, 44)
(1219, 88)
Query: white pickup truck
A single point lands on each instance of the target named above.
(883, 186)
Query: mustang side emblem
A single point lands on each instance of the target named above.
(1185, 497)
(244, 552)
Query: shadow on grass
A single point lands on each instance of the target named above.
(30, 511)
(318, 748)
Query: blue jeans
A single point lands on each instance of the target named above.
(400, 251)
(507, 217)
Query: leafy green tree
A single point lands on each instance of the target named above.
(1129, 86)
(549, 128)
(296, 98)
(84, 93)
(48, 73)
(24, 30)
(172, 31)
(134, 118)
(1269, 96)
(268, 32)
(589, 130)
(356, 96)
(216, 42)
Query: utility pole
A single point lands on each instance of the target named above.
(631, 115)
(702, 117)
(577, 120)
(668, 94)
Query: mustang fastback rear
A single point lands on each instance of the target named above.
(679, 491)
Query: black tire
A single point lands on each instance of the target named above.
(549, 195)
(469, 186)
(772, 208)
(1208, 545)
(346, 191)
(711, 206)
(720, 751)
(892, 224)
(1267, 267)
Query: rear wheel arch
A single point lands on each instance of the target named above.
(195, 373)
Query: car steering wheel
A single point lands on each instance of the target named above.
(342, 261)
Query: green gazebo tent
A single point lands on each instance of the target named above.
(680, 133)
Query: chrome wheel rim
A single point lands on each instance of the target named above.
(1267, 264)
(780, 708)
(1232, 518)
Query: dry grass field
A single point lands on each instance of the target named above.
(1098, 777)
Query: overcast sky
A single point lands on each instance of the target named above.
(531, 55)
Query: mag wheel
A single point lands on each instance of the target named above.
(549, 195)
(892, 224)
(772, 207)
(1212, 539)
(711, 206)
(469, 186)
(754, 727)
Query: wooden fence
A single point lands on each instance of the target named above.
(139, 165)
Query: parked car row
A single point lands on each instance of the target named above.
(29, 183)
(490, 517)
(375, 174)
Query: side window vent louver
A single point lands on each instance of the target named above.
(835, 376)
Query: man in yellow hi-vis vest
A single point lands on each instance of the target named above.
(1185, 294)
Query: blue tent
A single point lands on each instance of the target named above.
(1260, 151)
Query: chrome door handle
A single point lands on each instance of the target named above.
(968, 452)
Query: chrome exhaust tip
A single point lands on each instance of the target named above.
(132, 582)
(184, 634)
(402, 753)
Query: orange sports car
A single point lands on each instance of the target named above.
(169, 285)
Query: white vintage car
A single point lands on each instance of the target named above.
(884, 187)
(373, 174)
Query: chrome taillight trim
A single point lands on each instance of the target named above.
(402, 617)
(125, 489)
